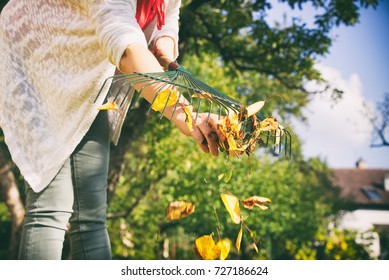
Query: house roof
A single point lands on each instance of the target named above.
(362, 187)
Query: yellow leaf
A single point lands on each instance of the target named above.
(231, 203)
(188, 118)
(233, 149)
(239, 239)
(110, 105)
(255, 247)
(254, 108)
(270, 123)
(165, 98)
(205, 95)
(225, 246)
(179, 209)
(206, 248)
(258, 201)
(229, 176)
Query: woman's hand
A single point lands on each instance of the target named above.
(204, 130)
(164, 51)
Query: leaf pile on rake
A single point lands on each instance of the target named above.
(243, 130)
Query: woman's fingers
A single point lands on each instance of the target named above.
(206, 133)
(200, 139)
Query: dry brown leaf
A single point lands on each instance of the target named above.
(270, 123)
(258, 201)
(179, 209)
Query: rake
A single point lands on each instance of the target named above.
(122, 95)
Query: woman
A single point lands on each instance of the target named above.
(55, 56)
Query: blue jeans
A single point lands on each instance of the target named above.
(77, 197)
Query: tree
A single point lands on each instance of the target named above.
(165, 167)
(239, 31)
(13, 201)
(267, 60)
(381, 124)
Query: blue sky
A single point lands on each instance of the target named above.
(358, 63)
(363, 49)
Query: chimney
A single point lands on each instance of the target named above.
(361, 164)
(386, 182)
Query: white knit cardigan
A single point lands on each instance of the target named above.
(54, 57)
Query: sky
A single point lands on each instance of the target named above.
(358, 63)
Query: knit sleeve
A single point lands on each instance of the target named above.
(116, 26)
(171, 27)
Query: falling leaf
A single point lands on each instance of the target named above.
(225, 246)
(188, 118)
(220, 176)
(206, 248)
(229, 176)
(255, 247)
(239, 239)
(254, 108)
(231, 203)
(258, 201)
(165, 98)
(110, 105)
(179, 209)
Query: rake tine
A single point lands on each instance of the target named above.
(103, 86)
(274, 144)
(155, 97)
(119, 91)
(209, 111)
(290, 142)
(137, 95)
(267, 139)
(176, 105)
(167, 101)
(126, 82)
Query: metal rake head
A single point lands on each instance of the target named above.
(204, 99)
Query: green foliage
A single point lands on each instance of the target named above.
(247, 87)
(240, 32)
(171, 167)
(342, 245)
(5, 228)
(232, 46)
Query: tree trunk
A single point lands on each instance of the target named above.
(14, 204)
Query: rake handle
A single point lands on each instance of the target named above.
(173, 66)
